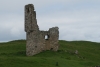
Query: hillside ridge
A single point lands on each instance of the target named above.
(13, 54)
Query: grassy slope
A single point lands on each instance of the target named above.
(12, 54)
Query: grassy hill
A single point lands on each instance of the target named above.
(12, 54)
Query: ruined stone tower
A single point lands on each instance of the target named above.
(36, 41)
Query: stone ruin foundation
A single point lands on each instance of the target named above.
(36, 41)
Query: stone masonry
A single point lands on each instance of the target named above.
(36, 41)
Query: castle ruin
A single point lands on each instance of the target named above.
(36, 41)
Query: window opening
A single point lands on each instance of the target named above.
(46, 37)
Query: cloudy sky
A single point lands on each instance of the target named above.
(76, 19)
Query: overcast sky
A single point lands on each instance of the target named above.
(76, 19)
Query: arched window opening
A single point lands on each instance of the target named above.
(46, 37)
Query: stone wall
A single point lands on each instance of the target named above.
(36, 41)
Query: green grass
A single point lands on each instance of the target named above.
(13, 54)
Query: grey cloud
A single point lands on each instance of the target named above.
(74, 23)
(7, 36)
(83, 27)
